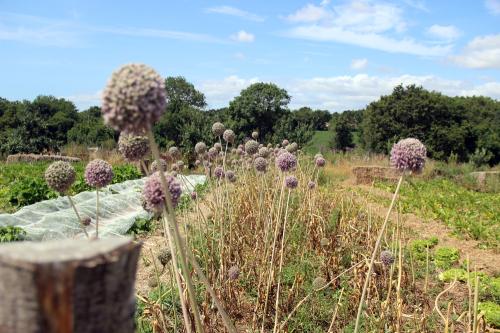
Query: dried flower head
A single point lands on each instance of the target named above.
(387, 257)
(239, 151)
(320, 162)
(286, 161)
(154, 195)
(212, 153)
(194, 195)
(260, 164)
(174, 152)
(98, 173)
(218, 129)
(86, 221)
(251, 147)
(60, 176)
(180, 164)
(264, 152)
(318, 283)
(285, 143)
(291, 182)
(133, 147)
(164, 256)
(229, 136)
(231, 176)
(219, 172)
(200, 148)
(255, 135)
(134, 99)
(311, 185)
(233, 273)
(292, 147)
(197, 162)
(218, 146)
(318, 155)
(161, 167)
(408, 154)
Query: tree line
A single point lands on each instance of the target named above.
(463, 128)
(48, 123)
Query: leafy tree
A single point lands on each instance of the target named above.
(90, 129)
(258, 107)
(342, 137)
(182, 93)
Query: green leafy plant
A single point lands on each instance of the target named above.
(446, 257)
(11, 234)
(28, 191)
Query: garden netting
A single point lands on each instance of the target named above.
(119, 206)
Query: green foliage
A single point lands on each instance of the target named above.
(491, 312)
(27, 191)
(418, 248)
(125, 172)
(444, 124)
(320, 142)
(452, 274)
(446, 257)
(142, 226)
(11, 234)
(90, 129)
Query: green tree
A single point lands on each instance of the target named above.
(258, 107)
(90, 129)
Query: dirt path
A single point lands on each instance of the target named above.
(483, 259)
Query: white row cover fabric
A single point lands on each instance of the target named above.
(119, 207)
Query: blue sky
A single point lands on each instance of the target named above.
(333, 55)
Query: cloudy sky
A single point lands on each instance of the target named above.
(328, 54)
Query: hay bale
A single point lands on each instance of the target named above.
(368, 174)
(29, 158)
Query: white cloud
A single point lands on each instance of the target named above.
(358, 64)
(444, 32)
(220, 92)
(239, 55)
(243, 36)
(363, 23)
(85, 100)
(339, 93)
(309, 13)
(228, 10)
(420, 5)
(481, 52)
(493, 6)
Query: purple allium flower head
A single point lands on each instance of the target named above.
(260, 164)
(219, 172)
(174, 152)
(264, 152)
(134, 99)
(318, 155)
(387, 257)
(218, 146)
(242, 147)
(200, 148)
(218, 129)
(239, 151)
(212, 153)
(285, 143)
(194, 195)
(98, 173)
(255, 135)
(229, 136)
(320, 162)
(408, 154)
(292, 147)
(154, 195)
(251, 147)
(291, 182)
(60, 176)
(231, 176)
(175, 167)
(132, 147)
(86, 221)
(233, 273)
(286, 161)
(233, 151)
(180, 164)
(311, 185)
(197, 162)
(155, 167)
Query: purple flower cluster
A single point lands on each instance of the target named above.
(229, 136)
(174, 152)
(219, 172)
(154, 194)
(98, 173)
(218, 129)
(162, 166)
(293, 147)
(255, 135)
(231, 176)
(218, 146)
(286, 161)
(212, 153)
(408, 154)
(134, 99)
(233, 273)
(264, 152)
(311, 185)
(200, 148)
(260, 164)
(285, 143)
(251, 147)
(320, 161)
(194, 195)
(60, 176)
(291, 182)
(387, 257)
(132, 147)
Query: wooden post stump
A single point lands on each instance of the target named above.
(68, 286)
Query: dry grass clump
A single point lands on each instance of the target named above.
(30, 158)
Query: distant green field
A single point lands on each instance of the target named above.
(320, 142)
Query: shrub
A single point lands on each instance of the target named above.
(446, 257)
(11, 234)
(27, 191)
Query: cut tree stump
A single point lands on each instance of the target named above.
(69, 286)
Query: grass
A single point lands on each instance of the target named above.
(320, 142)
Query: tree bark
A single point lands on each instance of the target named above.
(69, 286)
